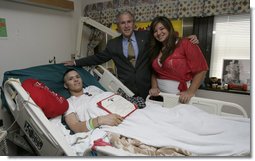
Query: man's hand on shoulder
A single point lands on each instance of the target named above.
(69, 63)
(193, 39)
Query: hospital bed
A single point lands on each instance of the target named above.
(42, 135)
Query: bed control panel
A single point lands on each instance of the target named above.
(33, 136)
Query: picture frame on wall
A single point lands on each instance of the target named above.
(236, 71)
(3, 28)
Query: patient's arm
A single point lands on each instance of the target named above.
(80, 126)
(74, 123)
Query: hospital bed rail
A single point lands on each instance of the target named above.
(108, 81)
(211, 106)
(39, 131)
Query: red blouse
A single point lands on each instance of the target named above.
(186, 61)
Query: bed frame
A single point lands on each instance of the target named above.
(109, 81)
(32, 121)
(49, 142)
(209, 105)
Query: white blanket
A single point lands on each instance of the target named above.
(183, 126)
(186, 127)
(189, 128)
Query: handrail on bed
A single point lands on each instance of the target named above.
(208, 105)
(15, 95)
(109, 81)
(94, 24)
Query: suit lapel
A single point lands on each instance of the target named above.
(140, 43)
(119, 47)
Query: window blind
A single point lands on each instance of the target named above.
(231, 40)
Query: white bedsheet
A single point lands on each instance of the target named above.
(183, 126)
(186, 127)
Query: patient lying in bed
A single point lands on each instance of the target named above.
(182, 130)
(76, 116)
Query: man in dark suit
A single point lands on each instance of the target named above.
(136, 76)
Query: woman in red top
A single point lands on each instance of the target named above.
(179, 66)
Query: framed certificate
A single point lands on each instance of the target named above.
(118, 105)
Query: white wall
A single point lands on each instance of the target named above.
(36, 35)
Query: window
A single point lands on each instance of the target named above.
(230, 40)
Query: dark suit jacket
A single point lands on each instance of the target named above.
(138, 78)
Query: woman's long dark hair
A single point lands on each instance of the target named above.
(155, 45)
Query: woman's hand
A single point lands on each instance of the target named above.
(110, 119)
(185, 96)
(154, 91)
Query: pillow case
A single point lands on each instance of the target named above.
(51, 103)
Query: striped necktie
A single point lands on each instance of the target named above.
(131, 52)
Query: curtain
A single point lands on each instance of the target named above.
(145, 10)
(203, 29)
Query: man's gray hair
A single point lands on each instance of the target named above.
(124, 13)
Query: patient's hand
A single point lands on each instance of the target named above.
(110, 119)
(69, 63)
(193, 39)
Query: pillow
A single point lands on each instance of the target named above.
(51, 103)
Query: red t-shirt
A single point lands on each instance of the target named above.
(186, 61)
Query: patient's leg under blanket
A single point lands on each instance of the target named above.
(137, 147)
